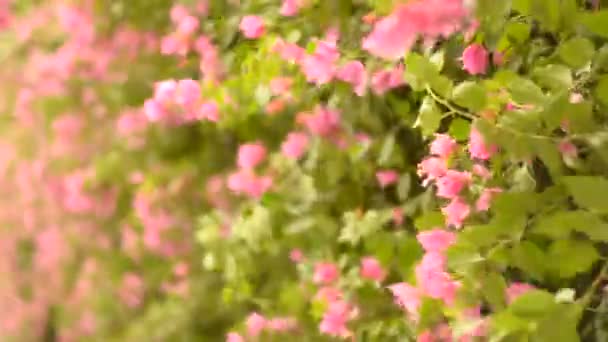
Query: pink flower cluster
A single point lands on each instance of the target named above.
(178, 102)
(322, 66)
(245, 181)
(395, 34)
(452, 183)
(257, 324)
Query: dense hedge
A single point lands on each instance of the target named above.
(265, 170)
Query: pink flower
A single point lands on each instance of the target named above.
(426, 336)
(406, 296)
(154, 111)
(451, 184)
(280, 85)
(131, 290)
(456, 212)
(475, 59)
(498, 58)
(288, 51)
(323, 121)
(296, 255)
(252, 26)
(289, 8)
(432, 168)
(317, 69)
(187, 25)
(372, 270)
(483, 202)
(436, 240)
(178, 12)
(576, 98)
(282, 324)
(234, 337)
(387, 177)
(248, 183)
(394, 35)
(482, 171)
(165, 91)
(251, 155)
(567, 148)
(517, 289)
(390, 38)
(478, 148)
(335, 319)
(188, 93)
(328, 294)
(385, 80)
(443, 146)
(295, 145)
(325, 273)
(208, 110)
(354, 73)
(433, 280)
(255, 324)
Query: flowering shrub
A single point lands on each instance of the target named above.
(369, 170)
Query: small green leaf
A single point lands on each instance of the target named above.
(524, 91)
(553, 76)
(429, 220)
(470, 95)
(588, 192)
(577, 52)
(596, 22)
(574, 256)
(601, 89)
(533, 304)
(530, 259)
(460, 129)
(429, 117)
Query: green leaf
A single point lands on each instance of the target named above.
(357, 228)
(561, 224)
(558, 326)
(470, 95)
(442, 85)
(548, 152)
(429, 220)
(524, 91)
(420, 67)
(429, 118)
(588, 192)
(430, 313)
(530, 259)
(553, 76)
(460, 129)
(596, 22)
(576, 52)
(601, 90)
(494, 288)
(574, 257)
(533, 304)
(518, 32)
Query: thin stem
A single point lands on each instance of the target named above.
(449, 105)
(588, 296)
